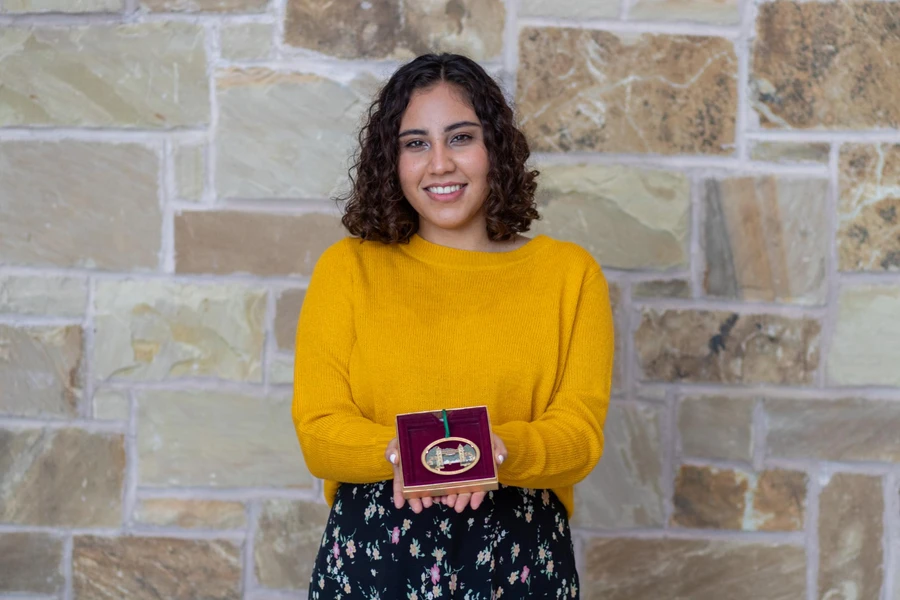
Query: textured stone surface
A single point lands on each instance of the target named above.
(262, 244)
(869, 208)
(111, 405)
(147, 75)
(726, 12)
(624, 490)
(285, 135)
(287, 541)
(826, 65)
(716, 427)
(722, 347)
(64, 6)
(571, 9)
(190, 171)
(190, 514)
(647, 569)
(247, 41)
(78, 204)
(766, 239)
(30, 562)
(40, 371)
(148, 568)
(621, 330)
(790, 152)
(662, 288)
(213, 6)
(396, 29)
(217, 439)
(84, 490)
(287, 313)
(866, 344)
(840, 430)
(44, 296)
(160, 330)
(627, 218)
(281, 369)
(851, 509)
(588, 90)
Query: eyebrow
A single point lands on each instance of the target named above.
(447, 129)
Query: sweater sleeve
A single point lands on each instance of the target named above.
(562, 446)
(338, 442)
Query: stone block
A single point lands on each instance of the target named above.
(190, 513)
(287, 540)
(716, 427)
(43, 296)
(866, 343)
(31, 563)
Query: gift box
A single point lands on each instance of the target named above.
(446, 452)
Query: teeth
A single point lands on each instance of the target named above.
(445, 190)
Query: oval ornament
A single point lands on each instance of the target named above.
(440, 455)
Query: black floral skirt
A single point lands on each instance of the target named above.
(517, 544)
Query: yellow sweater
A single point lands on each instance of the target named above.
(388, 329)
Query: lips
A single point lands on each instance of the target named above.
(445, 197)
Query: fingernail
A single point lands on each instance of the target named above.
(500, 458)
(393, 459)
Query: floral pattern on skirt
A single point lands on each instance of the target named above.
(517, 544)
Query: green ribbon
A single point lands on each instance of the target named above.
(446, 424)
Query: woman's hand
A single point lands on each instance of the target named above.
(459, 501)
(392, 454)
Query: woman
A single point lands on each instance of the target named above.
(439, 302)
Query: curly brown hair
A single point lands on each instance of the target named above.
(376, 208)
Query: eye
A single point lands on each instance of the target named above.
(462, 137)
(415, 144)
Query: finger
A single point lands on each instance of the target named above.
(393, 449)
(398, 489)
(477, 499)
(500, 451)
(462, 501)
(427, 501)
(450, 500)
(416, 505)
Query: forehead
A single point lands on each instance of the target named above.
(438, 105)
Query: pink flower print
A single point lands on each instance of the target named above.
(525, 572)
(395, 535)
(435, 574)
(336, 550)
(453, 582)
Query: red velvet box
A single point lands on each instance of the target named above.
(452, 469)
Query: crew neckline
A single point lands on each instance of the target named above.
(420, 248)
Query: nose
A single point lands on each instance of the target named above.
(441, 161)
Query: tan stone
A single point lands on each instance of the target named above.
(662, 288)
(571, 9)
(62, 6)
(157, 330)
(191, 514)
(866, 344)
(44, 296)
(790, 152)
(851, 509)
(40, 371)
(219, 440)
(621, 331)
(826, 65)
(247, 41)
(138, 75)
(30, 562)
(262, 244)
(766, 239)
(109, 568)
(779, 501)
(396, 29)
(285, 135)
(589, 90)
(653, 569)
(726, 12)
(722, 347)
(85, 489)
(287, 541)
(111, 405)
(716, 427)
(212, 6)
(625, 488)
(839, 430)
(190, 171)
(281, 369)
(287, 313)
(869, 208)
(78, 204)
(626, 218)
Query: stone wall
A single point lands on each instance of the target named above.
(165, 167)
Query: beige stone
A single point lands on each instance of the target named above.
(30, 562)
(40, 371)
(287, 541)
(78, 204)
(112, 568)
(839, 430)
(190, 171)
(112, 405)
(43, 296)
(584, 90)
(625, 488)
(662, 288)
(217, 439)
(191, 514)
(211, 6)
(138, 75)
(866, 344)
(396, 29)
(766, 239)
(621, 331)
(62, 6)
(281, 369)
(285, 135)
(262, 244)
(287, 313)
(790, 152)
(85, 489)
(869, 223)
(626, 218)
(571, 9)
(716, 427)
(247, 41)
(851, 509)
(826, 65)
(653, 569)
(722, 347)
(726, 12)
(155, 330)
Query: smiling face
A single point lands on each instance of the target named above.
(443, 164)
